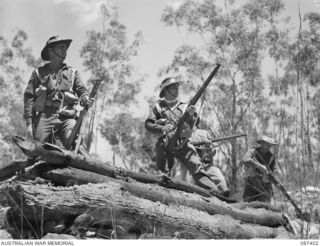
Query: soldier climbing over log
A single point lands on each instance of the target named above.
(203, 143)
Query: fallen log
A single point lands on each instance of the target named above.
(67, 176)
(9, 170)
(257, 204)
(112, 206)
(54, 155)
(72, 176)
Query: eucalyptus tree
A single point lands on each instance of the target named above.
(235, 35)
(297, 90)
(107, 55)
(129, 139)
(16, 63)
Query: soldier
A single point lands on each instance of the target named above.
(201, 139)
(162, 121)
(52, 93)
(257, 162)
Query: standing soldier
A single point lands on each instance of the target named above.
(258, 162)
(162, 121)
(52, 93)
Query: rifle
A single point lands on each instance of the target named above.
(75, 136)
(273, 180)
(195, 143)
(172, 142)
(228, 137)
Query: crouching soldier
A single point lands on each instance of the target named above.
(201, 140)
(257, 162)
(162, 121)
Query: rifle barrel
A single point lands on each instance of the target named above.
(77, 128)
(196, 97)
(228, 137)
(280, 186)
(172, 143)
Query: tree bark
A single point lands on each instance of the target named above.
(9, 170)
(72, 176)
(112, 205)
(57, 156)
(67, 176)
(257, 204)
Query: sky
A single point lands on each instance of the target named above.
(42, 19)
(73, 18)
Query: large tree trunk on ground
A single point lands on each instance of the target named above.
(114, 205)
(256, 204)
(138, 207)
(57, 156)
(67, 176)
(9, 170)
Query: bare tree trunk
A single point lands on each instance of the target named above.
(234, 166)
(113, 157)
(112, 206)
(154, 193)
(309, 145)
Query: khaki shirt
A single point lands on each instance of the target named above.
(162, 111)
(63, 82)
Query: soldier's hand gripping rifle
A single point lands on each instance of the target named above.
(75, 136)
(173, 140)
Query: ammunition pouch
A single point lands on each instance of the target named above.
(64, 102)
(67, 107)
(39, 103)
(40, 100)
(72, 113)
(54, 99)
(70, 99)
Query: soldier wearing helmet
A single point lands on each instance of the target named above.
(201, 140)
(51, 94)
(257, 162)
(162, 121)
